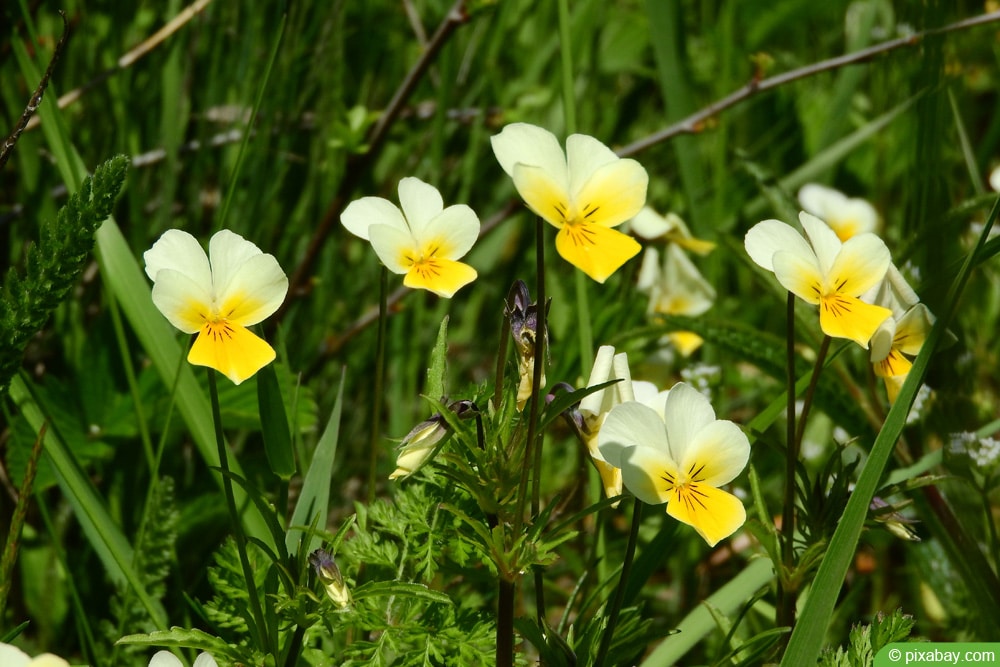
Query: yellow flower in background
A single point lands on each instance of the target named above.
(11, 656)
(847, 216)
(217, 296)
(825, 272)
(651, 226)
(675, 287)
(422, 241)
(583, 193)
(673, 450)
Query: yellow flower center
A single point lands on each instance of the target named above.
(425, 263)
(686, 487)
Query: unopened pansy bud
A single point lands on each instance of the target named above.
(893, 521)
(522, 313)
(329, 575)
(418, 445)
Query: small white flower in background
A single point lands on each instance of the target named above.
(168, 659)
(995, 179)
(12, 656)
(847, 216)
(675, 287)
(652, 226)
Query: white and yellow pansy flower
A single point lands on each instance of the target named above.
(168, 659)
(584, 193)
(675, 287)
(847, 216)
(673, 450)
(652, 226)
(217, 296)
(12, 656)
(423, 241)
(825, 272)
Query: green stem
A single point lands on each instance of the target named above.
(807, 400)
(263, 640)
(505, 623)
(785, 609)
(373, 442)
(616, 605)
(133, 384)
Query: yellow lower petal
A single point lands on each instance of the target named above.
(230, 349)
(444, 277)
(596, 250)
(849, 317)
(892, 387)
(714, 513)
(894, 365)
(611, 479)
(686, 342)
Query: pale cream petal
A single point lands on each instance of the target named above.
(396, 247)
(685, 414)
(181, 252)
(682, 277)
(860, 265)
(444, 277)
(650, 395)
(614, 193)
(646, 472)
(650, 225)
(11, 656)
(799, 274)
(420, 202)
(713, 513)
(48, 660)
(544, 195)
(650, 274)
(912, 329)
(361, 214)
(631, 425)
(856, 216)
(820, 200)
(716, 454)
(597, 251)
(204, 660)
(594, 404)
(825, 243)
(185, 303)
(768, 237)
(164, 659)
(255, 291)
(880, 344)
(530, 145)
(233, 350)
(227, 253)
(621, 370)
(995, 179)
(450, 234)
(584, 156)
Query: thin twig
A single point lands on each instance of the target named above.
(455, 17)
(696, 122)
(132, 56)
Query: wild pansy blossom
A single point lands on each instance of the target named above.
(217, 296)
(847, 216)
(652, 226)
(901, 334)
(12, 656)
(675, 287)
(825, 272)
(673, 450)
(594, 409)
(583, 193)
(168, 659)
(423, 241)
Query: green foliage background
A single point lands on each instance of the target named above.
(215, 142)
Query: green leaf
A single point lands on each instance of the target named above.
(315, 496)
(274, 424)
(439, 360)
(399, 588)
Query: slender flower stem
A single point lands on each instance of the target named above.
(785, 609)
(263, 638)
(505, 623)
(807, 400)
(616, 605)
(373, 442)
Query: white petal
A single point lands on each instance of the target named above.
(881, 341)
(820, 200)
(649, 225)
(454, 231)
(649, 272)
(686, 412)
(768, 237)
(392, 245)
(11, 656)
(186, 304)
(631, 425)
(521, 143)
(205, 660)
(420, 202)
(362, 213)
(720, 450)
(621, 370)
(995, 179)
(642, 473)
(649, 395)
(600, 373)
(800, 275)
(164, 659)
(824, 240)
(255, 291)
(227, 253)
(686, 284)
(180, 252)
(860, 265)
(584, 156)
